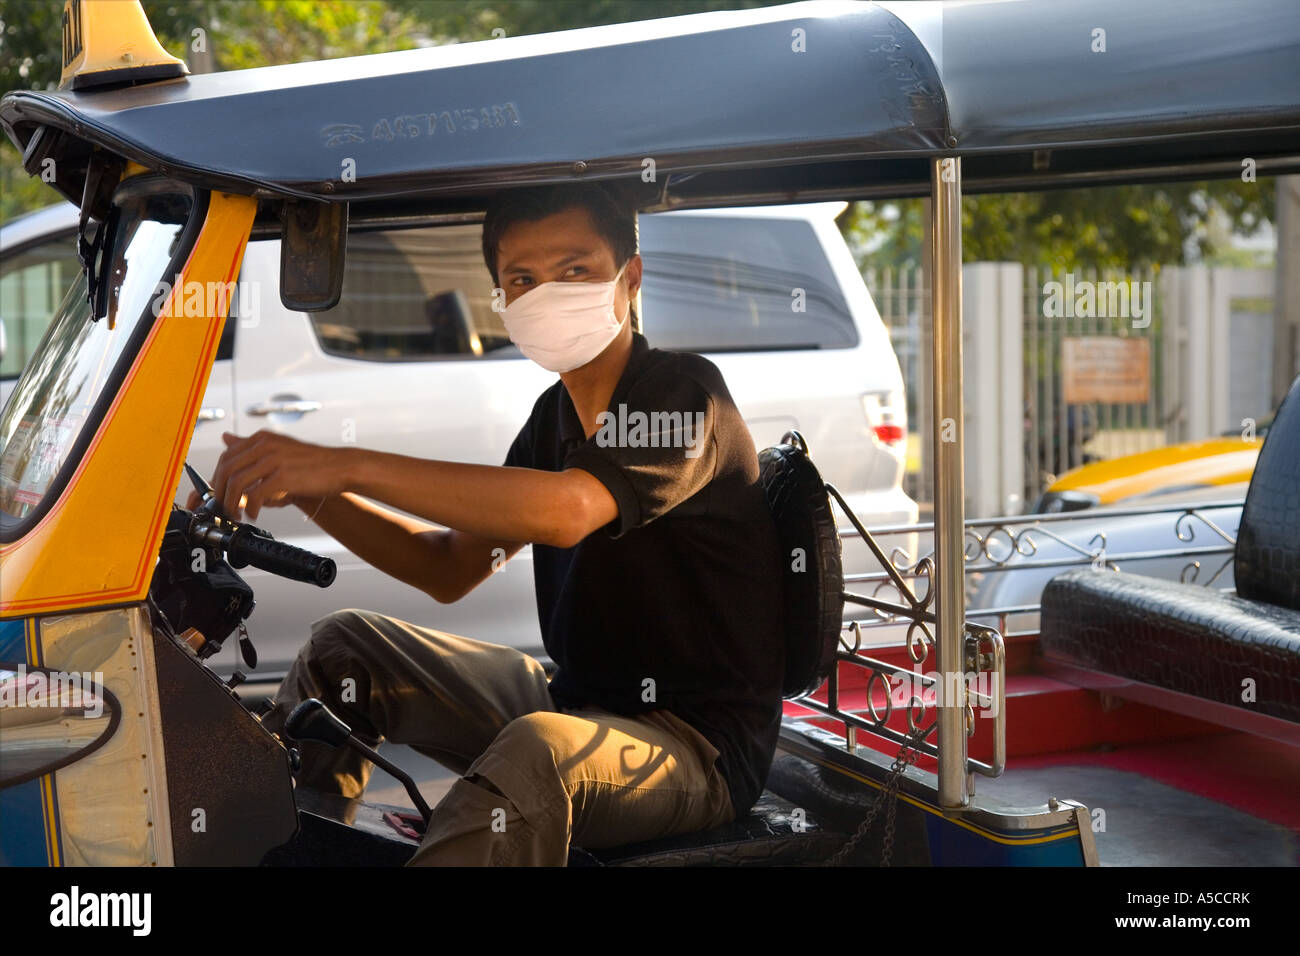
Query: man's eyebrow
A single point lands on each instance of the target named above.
(573, 256)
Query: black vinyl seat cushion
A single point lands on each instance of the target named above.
(1267, 559)
(813, 594)
(766, 836)
(1181, 637)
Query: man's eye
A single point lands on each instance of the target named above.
(576, 271)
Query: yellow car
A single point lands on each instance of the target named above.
(1225, 463)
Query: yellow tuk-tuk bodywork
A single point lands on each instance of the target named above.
(98, 543)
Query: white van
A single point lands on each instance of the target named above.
(413, 360)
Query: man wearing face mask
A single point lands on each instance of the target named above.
(655, 560)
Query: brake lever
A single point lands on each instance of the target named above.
(210, 505)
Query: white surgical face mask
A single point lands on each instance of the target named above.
(564, 325)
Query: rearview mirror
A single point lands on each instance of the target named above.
(49, 719)
(311, 254)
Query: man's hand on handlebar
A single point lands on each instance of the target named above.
(271, 470)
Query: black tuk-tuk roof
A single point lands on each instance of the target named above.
(814, 98)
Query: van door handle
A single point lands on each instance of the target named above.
(211, 414)
(295, 406)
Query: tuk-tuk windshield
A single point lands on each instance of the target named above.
(73, 373)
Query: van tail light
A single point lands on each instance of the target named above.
(890, 434)
(887, 418)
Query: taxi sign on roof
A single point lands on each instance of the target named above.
(109, 42)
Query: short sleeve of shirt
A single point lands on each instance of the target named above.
(654, 449)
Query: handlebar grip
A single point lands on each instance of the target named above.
(288, 561)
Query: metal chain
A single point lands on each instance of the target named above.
(888, 797)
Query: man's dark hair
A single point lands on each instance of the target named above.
(612, 215)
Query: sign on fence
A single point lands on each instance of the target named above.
(1107, 369)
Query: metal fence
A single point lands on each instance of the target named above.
(1057, 435)
(902, 297)
(1061, 436)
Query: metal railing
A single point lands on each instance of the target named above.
(998, 545)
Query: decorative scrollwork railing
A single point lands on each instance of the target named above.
(983, 653)
(998, 541)
(900, 595)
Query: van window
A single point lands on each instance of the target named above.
(414, 294)
(32, 284)
(711, 284)
(724, 284)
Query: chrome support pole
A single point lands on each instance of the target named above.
(949, 483)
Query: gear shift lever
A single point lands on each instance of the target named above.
(312, 720)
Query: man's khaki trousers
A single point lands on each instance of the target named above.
(533, 777)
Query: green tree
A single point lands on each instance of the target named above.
(453, 20)
(1129, 227)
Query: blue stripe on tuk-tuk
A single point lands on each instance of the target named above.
(25, 838)
(13, 641)
(952, 845)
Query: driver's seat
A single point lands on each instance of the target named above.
(814, 601)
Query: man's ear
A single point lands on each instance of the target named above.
(633, 275)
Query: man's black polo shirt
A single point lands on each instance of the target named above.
(676, 603)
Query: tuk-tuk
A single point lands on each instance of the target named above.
(145, 761)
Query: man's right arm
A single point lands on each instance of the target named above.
(444, 563)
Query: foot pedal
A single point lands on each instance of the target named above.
(407, 824)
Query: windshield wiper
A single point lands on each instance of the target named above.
(97, 202)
